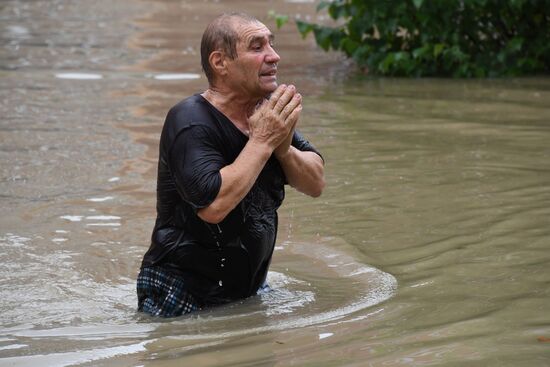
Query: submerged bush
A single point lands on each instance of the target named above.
(459, 38)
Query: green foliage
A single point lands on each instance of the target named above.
(280, 19)
(459, 38)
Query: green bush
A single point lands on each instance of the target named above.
(459, 38)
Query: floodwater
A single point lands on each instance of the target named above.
(430, 245)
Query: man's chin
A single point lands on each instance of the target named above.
(267, 89)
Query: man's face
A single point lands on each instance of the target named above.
(254, 71)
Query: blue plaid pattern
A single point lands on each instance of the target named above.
(161, 293)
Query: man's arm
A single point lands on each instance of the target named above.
(303, 170)
(269, 126)
(237, 180)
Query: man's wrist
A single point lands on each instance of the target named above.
(260, 148)
(283, 155)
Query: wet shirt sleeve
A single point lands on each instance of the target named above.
(300, 143)
(195, 162)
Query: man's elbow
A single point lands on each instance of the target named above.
(211, 215)
(317, 190)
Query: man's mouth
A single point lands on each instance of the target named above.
(272, 72)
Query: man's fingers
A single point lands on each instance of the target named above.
(292, 119)
(274, 98)
(284, 99)
(291, 106)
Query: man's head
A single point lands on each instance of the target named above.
(237, 51)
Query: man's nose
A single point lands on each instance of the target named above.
(272, 57)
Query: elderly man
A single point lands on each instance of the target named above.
(225, 156)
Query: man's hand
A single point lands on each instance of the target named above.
(274, 121)
(304, 170)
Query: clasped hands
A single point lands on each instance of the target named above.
(275, 119)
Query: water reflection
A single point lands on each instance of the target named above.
(79, 76)
(184, 76)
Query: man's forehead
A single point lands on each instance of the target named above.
(250, 31)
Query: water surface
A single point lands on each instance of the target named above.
(430, 245)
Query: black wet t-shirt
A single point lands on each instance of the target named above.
(219, 262)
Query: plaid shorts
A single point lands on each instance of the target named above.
(161, 293)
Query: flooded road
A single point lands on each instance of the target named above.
(430, 245)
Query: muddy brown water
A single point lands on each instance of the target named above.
(430, 245)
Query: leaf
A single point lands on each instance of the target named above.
(438, 48)
(337, 11)
(515, 44)
(386, 64)
(421, 52)
(281, 20)
(323, 37)
(349, 46)
(401, 56)
(304, 28)
(418, 3)
(323, 4)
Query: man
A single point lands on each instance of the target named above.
(225, 156)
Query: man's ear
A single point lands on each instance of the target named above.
(218, 62)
